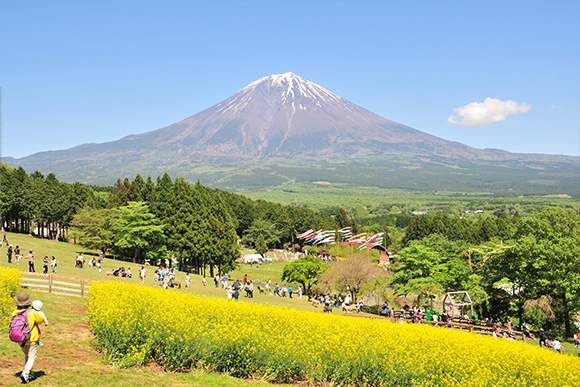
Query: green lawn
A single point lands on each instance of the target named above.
(66, 254)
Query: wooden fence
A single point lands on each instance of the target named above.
(51, 283)
(480, 328)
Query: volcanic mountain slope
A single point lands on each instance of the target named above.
(285, 117)
(288, 115)
(282, 115)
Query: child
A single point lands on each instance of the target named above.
(557, 346)
(187, 280)
(37, 306)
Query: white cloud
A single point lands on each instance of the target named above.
(481, 114)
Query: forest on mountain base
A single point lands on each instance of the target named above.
(519, 261)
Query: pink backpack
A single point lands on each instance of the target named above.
(19, 330)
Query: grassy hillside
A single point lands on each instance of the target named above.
(68, 356)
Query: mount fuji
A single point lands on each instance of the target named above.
(286, 115)
(281, 124)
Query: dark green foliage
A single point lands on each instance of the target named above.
(184, 226)
(264, 230)
(47, 202)
(199, 229)
(136, 232)
(544, 260)
(478, 230)
(92, 228)
(222, 240)
(261, 246)
(305, 271)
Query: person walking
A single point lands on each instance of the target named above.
(29, 347)
(17, 255)
(45, 265)
(31, 262)
(9, 253)
(543, 338)
(53, 264)
(142, 273)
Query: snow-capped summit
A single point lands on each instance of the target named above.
(291, 87)
(284, 114)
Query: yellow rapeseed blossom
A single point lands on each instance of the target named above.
(134, 324)
(9, 285)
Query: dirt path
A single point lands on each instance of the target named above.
(67, 348)
(68, 356)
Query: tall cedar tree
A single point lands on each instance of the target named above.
(184, 225)
(222, 247)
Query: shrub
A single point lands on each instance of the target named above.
(9, 286)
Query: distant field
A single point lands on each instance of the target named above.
(374, 200)
(402, 172)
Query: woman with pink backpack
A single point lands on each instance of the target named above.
(24, 330)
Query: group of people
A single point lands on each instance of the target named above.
(122, 272)
(80, 261)
(163, 277)
(554, 344)
(94, 262)
(499, 331)
(335, 301)
(283, 290)
(46, 261)
(233, 291)
(18, 256)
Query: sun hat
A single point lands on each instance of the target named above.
(37, 305)
(23, 299)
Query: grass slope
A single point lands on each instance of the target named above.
(68, 357)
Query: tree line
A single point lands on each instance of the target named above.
(145, 219)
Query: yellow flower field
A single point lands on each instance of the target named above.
(135, 324)
(9, 285)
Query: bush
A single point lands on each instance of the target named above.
(9, 286)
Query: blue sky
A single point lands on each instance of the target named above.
(489, 74)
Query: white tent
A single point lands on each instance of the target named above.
(252, 258)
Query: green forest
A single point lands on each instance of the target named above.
(517, 264)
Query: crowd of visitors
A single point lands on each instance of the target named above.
(14, 256)
(165, 278)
